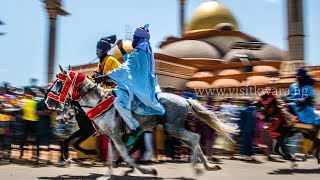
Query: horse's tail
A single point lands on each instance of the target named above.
(211, 119)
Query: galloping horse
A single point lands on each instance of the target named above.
(283, 124)
(77, 87)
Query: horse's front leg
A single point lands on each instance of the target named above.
(276, 148)
(287, 155)
(120, 146)
(65, 152)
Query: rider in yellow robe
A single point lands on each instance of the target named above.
(107, 62)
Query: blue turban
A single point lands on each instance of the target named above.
(142, 32)
(304, 78)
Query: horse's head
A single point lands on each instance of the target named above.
(66, 87)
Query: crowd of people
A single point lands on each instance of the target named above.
(25, 119)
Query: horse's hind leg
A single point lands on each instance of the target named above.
(192, 141)
(120, 146)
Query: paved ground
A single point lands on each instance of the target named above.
(231, 170)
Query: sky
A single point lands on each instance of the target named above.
(23, 50)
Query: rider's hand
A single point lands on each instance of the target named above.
(99, 79)
(96, 74)
(120, 44)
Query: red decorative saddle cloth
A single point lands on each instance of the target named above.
(100, 108)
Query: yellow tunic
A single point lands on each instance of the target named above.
(29, 109)
(108, 64)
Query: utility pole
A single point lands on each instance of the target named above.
(53, 8)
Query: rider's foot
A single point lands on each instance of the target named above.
(136, 133)
(131, 141)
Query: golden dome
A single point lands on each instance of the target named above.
(255, 80)
(229, 72)
(197, 84)
(209, 14)
(225, 82)
(127, 45)
(286, 80)
(203, 74)
(264, 68)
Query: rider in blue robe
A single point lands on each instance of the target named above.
(302, 95)
(137, 84)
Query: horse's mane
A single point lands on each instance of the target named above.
(88, 84)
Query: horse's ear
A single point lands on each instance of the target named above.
(61, 69)
(69, 68)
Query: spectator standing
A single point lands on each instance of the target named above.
(29, 119)
(43, 125)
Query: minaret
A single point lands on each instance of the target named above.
(53, 8)
(295, 36)
(182, 5)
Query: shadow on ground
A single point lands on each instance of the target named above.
(114, 177)
(91, 176)
(294, 171)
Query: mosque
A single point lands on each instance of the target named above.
(213, 53)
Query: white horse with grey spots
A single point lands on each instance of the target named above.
(173, 121)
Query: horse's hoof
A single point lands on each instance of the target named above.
(154, 172)
(214, 168)
(115, 165)
(129, 171)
